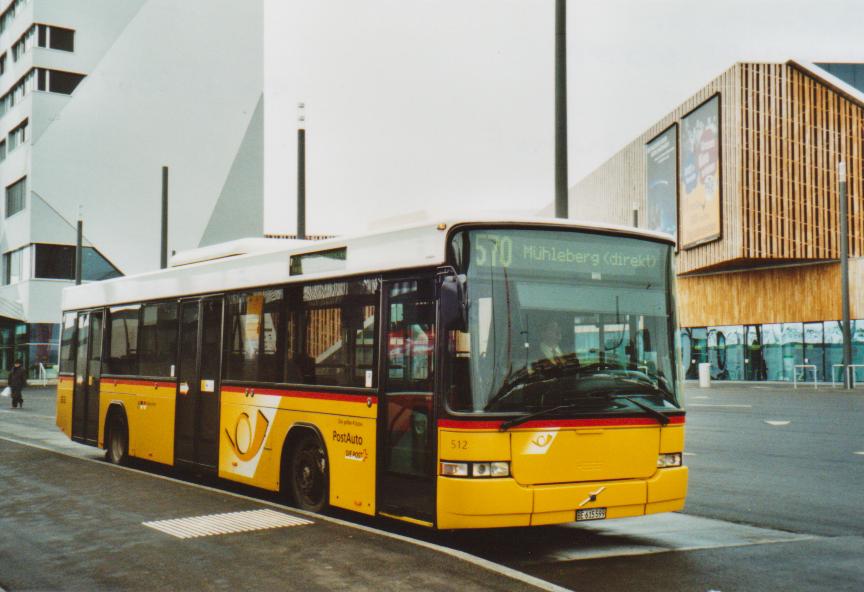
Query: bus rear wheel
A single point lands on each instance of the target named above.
(117, 450)
(309, 474)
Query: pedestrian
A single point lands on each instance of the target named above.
(17, 382)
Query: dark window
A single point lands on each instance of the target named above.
(255, 348)
(94, 267)
(332, 260)
(12, 266)
(122, 355)
(338, 334)
(16, 197)
(41, 74)
(43, 36)
(55, 262)
(158, 342)
(411, 337)
(63, 39)
(62, 82)
(67, 343)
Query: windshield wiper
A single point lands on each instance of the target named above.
(529, 416)
(661, 417)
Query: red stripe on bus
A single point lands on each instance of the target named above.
(558, 423)
(303, 394)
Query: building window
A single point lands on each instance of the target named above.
(17, 137)
(12, 262)
(16, 196)
(8, 15)
(2, 150)
(57, 81)
(24, 44)
(95, 267)
(55, 262)
(3, 64)
(24, 85)
(56, 38)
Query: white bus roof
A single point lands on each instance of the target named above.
(251, 263)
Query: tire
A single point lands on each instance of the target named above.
(117, 446)
(309, 474)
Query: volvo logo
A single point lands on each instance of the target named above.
(592, 497)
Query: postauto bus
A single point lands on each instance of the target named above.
(464, 373)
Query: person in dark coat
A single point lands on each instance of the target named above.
(17, 382)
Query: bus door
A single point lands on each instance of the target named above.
(88, 369)
(406, 473)
(197, 413)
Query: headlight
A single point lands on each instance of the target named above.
(453, 469)
(475, 469)
(669, 460)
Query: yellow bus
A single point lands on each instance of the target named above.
(463, 373)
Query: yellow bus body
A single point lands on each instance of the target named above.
(558, 469)
(594, 463)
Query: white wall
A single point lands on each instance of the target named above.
(177, 87)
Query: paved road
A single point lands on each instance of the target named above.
(774, 504)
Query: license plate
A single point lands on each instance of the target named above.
(591, 514)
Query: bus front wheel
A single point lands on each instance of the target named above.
(309, 474)
(116, 452)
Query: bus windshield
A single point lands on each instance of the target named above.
(562, 319)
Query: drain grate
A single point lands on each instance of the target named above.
(214, 524)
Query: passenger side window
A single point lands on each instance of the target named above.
(67, 343)
(333, 335)
(158, 339)
(122, 355)
(254, 336)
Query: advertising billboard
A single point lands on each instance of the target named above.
(699, 171)
(661, 160)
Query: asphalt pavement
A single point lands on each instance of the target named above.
(775, 503)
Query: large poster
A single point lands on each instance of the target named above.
(661, 159)
(700, 174)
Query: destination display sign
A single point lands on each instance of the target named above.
(568, 253)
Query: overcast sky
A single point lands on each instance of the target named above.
(442, 105)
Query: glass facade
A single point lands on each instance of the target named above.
(34, 344)
(774, 352)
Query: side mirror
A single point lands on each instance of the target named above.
(454, 302)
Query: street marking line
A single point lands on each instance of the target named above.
(777, 423)
(720, 405)
(690, 454)
(491, 566)
(860, 452)
(231, 522)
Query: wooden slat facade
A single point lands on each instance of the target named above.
(783, 132)
(796, 294)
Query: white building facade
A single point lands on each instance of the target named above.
(96, 96)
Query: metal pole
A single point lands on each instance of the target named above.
(635, 216)
(301, 171)
(79, 248)
(561, 109)
(163, 259)
(844, 276)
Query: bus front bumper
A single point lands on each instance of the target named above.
(487, 503)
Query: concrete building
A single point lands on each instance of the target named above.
(96, 96)
(745, 174)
